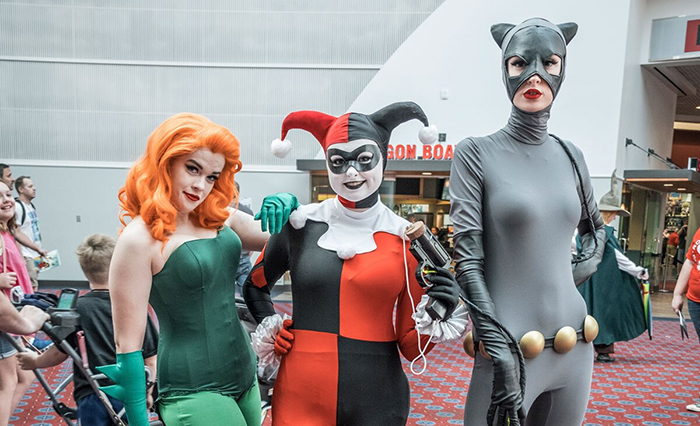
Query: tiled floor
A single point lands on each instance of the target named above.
(661, 305)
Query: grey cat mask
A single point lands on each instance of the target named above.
(534, 41)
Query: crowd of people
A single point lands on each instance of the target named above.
(358, 304)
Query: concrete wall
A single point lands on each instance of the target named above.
(88, 80)
(648, 107)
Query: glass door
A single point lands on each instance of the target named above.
(651, 244)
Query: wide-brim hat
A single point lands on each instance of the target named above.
(609, 203)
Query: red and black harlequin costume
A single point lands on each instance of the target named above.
(348, 273)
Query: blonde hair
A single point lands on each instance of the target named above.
(95, 255)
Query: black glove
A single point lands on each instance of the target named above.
(507, 396)
(444, 288)
(505, 385)
(584, 269)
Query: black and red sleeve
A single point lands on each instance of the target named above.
(270, 266)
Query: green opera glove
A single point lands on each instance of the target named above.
(275, 211)
(129, 377)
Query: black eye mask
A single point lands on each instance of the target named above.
(351, 159)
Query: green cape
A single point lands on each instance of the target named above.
(613, 298)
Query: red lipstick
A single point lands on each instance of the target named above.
(192, 197)
(532, 94)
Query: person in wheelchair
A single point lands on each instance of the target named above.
(94, 255)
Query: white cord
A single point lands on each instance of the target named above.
(421, 349)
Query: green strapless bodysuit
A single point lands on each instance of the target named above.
(202, 344)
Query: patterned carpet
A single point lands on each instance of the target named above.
(650, 384)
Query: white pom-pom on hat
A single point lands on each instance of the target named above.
(346, 252)
(280, 148)
(297, 219)
(428, 135)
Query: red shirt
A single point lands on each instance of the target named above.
(694, 256)
(673, 239)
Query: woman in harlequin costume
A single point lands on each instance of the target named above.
(181, 249)
(516, 197)
(349, 266)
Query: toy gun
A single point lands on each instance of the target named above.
(430, 255)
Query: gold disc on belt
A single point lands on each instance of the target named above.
(482, 351)
(590, 329)
(532, 344)
(565, 340)
(469, 345)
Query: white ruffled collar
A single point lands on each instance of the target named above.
(350, 232)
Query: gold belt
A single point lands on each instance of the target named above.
(533, 342)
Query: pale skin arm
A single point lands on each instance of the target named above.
(130, 285)
(248, 230)
(28, 321)
(27, 242)
(681, 286)
(32, 360)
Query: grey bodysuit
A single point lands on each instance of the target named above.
(519, 188)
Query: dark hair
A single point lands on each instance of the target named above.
(19, 182)
(3, 166)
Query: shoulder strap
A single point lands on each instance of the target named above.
(24, 211)
(582, 193)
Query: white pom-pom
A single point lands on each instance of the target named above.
(280, 148)
(263, 343)
(297, 219)
(428, 135)
(452, 328)
(346, 252)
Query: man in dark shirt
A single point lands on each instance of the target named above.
(94, 254)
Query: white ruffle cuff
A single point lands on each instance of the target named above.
(263, 342)
(454, 327)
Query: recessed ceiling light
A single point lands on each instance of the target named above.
(668, 184)
(427, 174)
(681, 189)
(697, 107)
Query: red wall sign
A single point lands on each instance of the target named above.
(692, 36)
(429, 152)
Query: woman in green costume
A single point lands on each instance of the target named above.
(181, 249)
(612, 294)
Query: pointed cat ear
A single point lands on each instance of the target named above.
(498, 32)
(569, 30)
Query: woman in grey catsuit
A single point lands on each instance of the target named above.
(517, 196)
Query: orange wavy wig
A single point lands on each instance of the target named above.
(148, 189)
